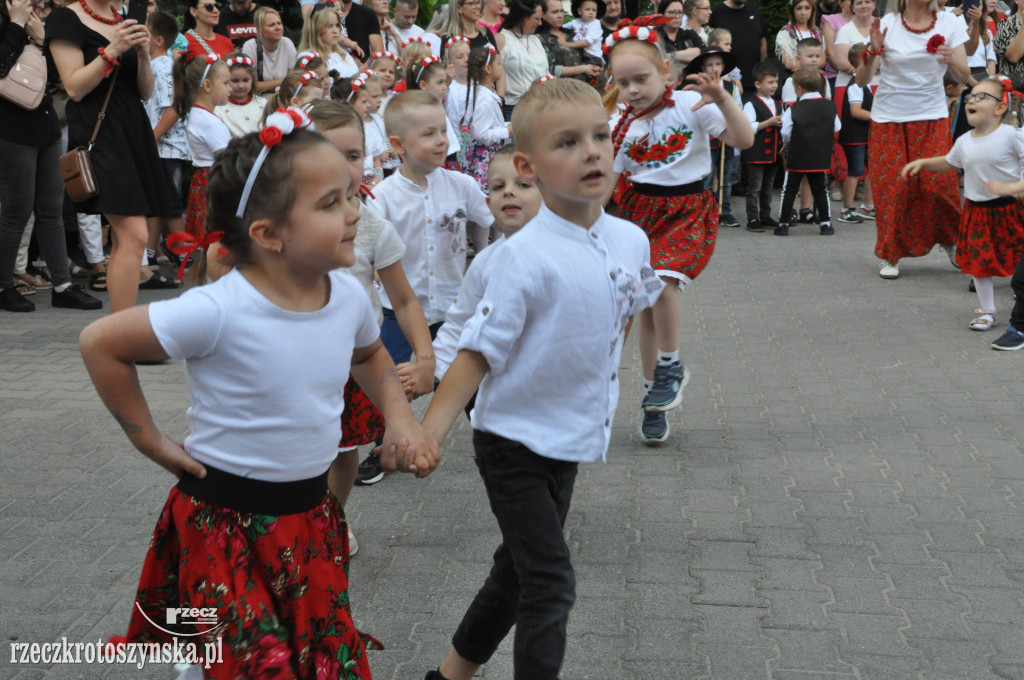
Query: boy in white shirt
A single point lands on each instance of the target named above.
(170, 133)
(565, 286)
(586, 29)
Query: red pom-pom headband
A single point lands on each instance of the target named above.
(358, 82)
(456, 39)
(633, 32)
(240, 61)
(280, 123)
(304, 80)
(306, 57)
(210, 59)
(424, 64)
(544, 79)
(386, 55)
(417, 39)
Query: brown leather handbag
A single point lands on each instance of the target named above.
(76, 165)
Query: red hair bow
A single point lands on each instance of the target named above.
(184, 245)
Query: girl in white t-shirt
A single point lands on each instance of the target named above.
(991, 227)
(251, 536)
(662, 139)
(243, 112)
(378, 254)
(200, 86)
(482, 115)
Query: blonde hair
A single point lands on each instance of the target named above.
(402, 108)
(895, 6)
(260, 15)
(526, 117)
(331, 114)
(315, 24)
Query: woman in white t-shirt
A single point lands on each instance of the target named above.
(857, 31)
(915, 42)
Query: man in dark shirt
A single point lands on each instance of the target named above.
(363, 27)
(237, 23)
(749, 45)
(610, 20)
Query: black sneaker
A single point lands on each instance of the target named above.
(370, 471)
(727, 220)
(781, 230)
(74, 297)
(667, 391)
(1010, 341)
(654, 427)
(827, 230)
(13, 301)
(755, 226)
(848, 215)
(806, 216)
(769, 223)
(794, 217)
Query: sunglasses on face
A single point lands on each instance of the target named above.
(210, 7)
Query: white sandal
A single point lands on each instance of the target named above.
(985, 320)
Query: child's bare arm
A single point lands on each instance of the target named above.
(373, 369)
(110, 347)
(738, 133)
(417, 378)
(933, 164)
(1015, 189)
(462, 379)
(858, 112)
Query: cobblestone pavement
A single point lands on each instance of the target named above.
(842, 495)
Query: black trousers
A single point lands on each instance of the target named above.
(532, 584)
(1017, 284)
(760, 182)
(818, 182)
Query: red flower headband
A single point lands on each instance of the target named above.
(210, 59)
(306, 57)
(424, 64)
(638, 29)
(386, 55)
(456, 39)
(304, 80)
(240, 61)
(280, 123)
(183, 244)
(358, 82)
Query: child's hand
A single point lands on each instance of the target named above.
(417, 378)
(912, 168)
(710, 91)
(1001, 189)
(774, 121)
(417, 452)
(171, 456)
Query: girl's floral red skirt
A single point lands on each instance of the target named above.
(195, 211)
(682, 229)
(991, 238)
(279, 585)
(912, 215)
(361, 423)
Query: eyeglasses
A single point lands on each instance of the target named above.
(674, 14)
(978, 96)
(210, 7)
(472, 3)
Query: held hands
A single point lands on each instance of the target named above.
(416, 452)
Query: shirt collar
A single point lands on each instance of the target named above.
(431, 178)
(810, 95)
(571, 230)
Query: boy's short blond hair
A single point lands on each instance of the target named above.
(402, 107)
(807, 78)
(531, 109)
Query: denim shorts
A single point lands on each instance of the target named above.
(856, 158)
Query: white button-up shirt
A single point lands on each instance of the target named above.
(432, 224)
(550, 325)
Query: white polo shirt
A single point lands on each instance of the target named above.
(550, 325)
(432, 224)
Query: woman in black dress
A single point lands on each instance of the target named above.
(30, 181)
(86, 40)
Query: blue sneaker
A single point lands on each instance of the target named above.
(654, 428)
(667, 392)
(1010, 341)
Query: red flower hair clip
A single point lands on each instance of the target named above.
(183, 244)
(280, 123)
(935, 42)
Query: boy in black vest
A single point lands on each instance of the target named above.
(809, 128)
(763, 113)
(855, 117)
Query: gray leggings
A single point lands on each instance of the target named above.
(30, 184)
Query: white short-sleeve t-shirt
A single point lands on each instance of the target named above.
(207, 134)
(377, 246)
(997, 156)
(849, 35)
(679, 139)
(984, 54)
(266, 385)
(910, 84)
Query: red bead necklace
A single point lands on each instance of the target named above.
(919, 30)
(103, 20)
(241, 102)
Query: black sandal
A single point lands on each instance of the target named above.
(158, 282)
(98, 282)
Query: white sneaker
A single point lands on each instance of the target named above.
(353, 544)
(890, 270)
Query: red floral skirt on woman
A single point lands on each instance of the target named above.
(913, 215)
(682, 229)
(195, 211)
(991, 238)
(278, 584)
